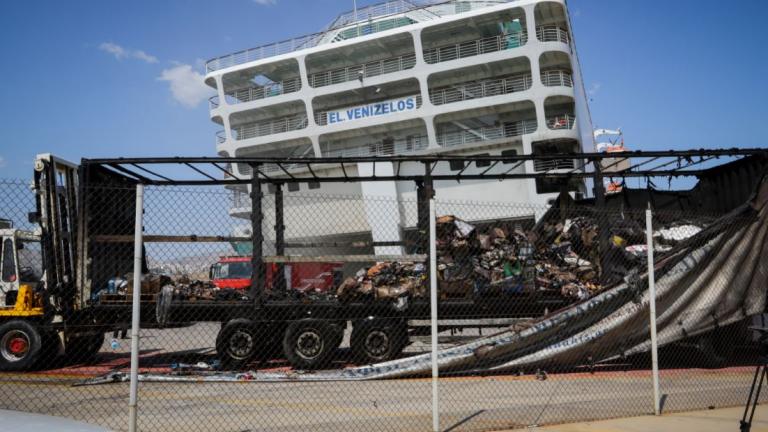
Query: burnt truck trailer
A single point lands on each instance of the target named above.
(86, 235)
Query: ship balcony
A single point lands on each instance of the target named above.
(381, 140)
(486, 124)
(271, 120)
(557, 78)
(263, 81)
(269, 127)
(267, 90)
(474, 36)
(364, 60)
(556, 70)
(457, 136)
(480, 89)
(358, 30)
(213, 102)
(479, 81)
(221, 136)
(559, 112)
(475, 47)
(561, 121)
(295, 148)
(559, 147)
(551, 23)
(367, 102)
(552, 34)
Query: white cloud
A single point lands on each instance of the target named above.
(124, 53)
(2, 162)
(265, 2)
(594, 88)
(186, 84)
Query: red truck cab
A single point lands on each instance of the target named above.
(235, 273)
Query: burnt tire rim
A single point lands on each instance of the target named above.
(241, 344)
(377, 343)
(309, 344)
(14, 345)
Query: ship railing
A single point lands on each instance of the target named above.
(321, 117)
(557, 78)
(552, 34)
(480, 89)
(221, 136)
(489, 133)
(265, 91)
(393, 7)
(385, 147)
(476, 47)
(276, 168)
(241, 199)
(540, 165)
(264, 51)
(366, 70)
(270, 127)
(561, 121)
(373, 11)
(213, 102)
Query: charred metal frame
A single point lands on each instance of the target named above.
(671, 164)
(312, 167)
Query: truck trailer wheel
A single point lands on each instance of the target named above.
(238, 343)
(377, 340)
(20, 345)
(309, 343)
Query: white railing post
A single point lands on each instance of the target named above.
(433, 311)
(652, 303)
(136, 311)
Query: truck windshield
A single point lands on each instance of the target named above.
(30, 260)
(234, 270)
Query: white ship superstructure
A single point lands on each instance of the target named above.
(405, 77)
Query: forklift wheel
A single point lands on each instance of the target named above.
(20, 345)
(309, 343)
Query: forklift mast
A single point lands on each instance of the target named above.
(56, 185)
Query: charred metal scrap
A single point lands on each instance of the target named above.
(558, 256)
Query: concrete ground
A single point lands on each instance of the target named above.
(499, 402)
(717, 420)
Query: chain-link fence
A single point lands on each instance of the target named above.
(543, 311)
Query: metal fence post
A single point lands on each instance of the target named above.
(652, 302)
(136, 311)
(433, 310)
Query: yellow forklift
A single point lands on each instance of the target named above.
(39, 315)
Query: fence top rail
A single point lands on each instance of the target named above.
(643, 164)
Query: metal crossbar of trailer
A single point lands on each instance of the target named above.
(204, 171)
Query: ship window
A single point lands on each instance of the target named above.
(457, 165)
(271, 188)
(293, 187)
(481, 164)
(313, 185)
(509, 153)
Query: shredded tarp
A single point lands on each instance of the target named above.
(712, 279)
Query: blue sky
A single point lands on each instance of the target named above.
(106, 78)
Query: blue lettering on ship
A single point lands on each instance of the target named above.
(372, 110)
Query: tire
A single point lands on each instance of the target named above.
(83, 349)
(20, 346)
(238, 343)
(377, 340)
(308, 343)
